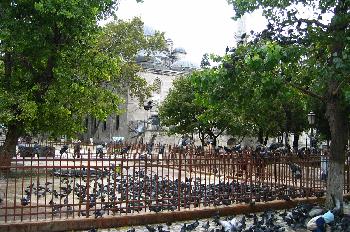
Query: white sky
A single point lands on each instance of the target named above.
(199, 26)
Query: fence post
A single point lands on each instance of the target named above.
(179, 180)
(308, 189)
(88, 184)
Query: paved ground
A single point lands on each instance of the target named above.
(176, 227)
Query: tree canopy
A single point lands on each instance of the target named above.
(57, 64)
(189, 107)
(311, 54)
(231, 99)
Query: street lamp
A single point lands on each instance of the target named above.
(311, 119)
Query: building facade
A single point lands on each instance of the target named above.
(140, 122)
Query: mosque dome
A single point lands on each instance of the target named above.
(142, 57)
(183, 64)
(176, 61)
(179, 50)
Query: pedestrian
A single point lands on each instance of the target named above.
(324, 162)
(76, 153)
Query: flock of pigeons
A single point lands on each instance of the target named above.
(142, 190)
(304, 217)
(148, 191)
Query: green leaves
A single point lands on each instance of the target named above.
(303, 56)
(58, 66)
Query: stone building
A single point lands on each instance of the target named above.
(140, 123)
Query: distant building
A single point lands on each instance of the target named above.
(140, 124)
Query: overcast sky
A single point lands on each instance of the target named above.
(199, 26)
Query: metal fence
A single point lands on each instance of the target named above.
(120, 179)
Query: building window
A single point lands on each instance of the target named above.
(104, 125)
(117, 122)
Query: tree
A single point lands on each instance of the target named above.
(321, 122)
(189, 107)
(234, 100)
(319, 47)
(123, 40)
(263, 103)
(178, 111)
(57, 65)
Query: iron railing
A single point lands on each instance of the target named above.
(123, 179)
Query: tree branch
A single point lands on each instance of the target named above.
(336, 91)
(218, 134)
(313, 21)
(305, 91)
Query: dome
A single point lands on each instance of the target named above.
(161, 55)
(183, 64)
(180, 50)
(142, 57)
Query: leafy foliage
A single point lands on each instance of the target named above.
(189, 107)
(311, 53)
(179, 109)
(57, 65)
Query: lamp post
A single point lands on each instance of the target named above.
(311, 119)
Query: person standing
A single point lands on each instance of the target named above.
(324, 162)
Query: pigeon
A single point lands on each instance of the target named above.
(206, 226)
(148, 106)
(64, 149)
(99, 213)
(125, 150)
(296, 171)
(161, 150)
(25, 201)
(160, 229)
(99, 150)
(192, 226)
(150, 228)
(231, 226)
(184, 228)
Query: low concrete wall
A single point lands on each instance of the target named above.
(153, 218)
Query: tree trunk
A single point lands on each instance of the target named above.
(336, 109)
(201, 137)
(214, 138)
(296, 141)
(92, 127)
(337, 118)
(9, 148)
